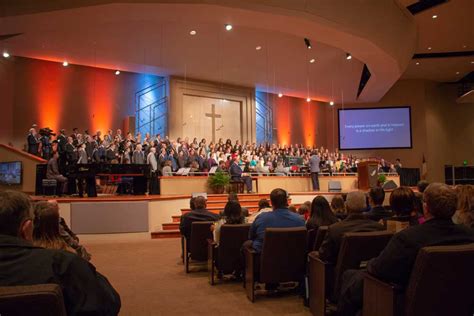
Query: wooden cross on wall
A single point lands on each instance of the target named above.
(213, 116)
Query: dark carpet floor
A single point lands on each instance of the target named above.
(150, 278)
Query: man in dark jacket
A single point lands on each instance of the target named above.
(236, 174)
(377, 210)
(354, 222)
(395, 262)
(33, 142)
(85, 290)
(198, 214)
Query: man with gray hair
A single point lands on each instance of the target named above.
(84, 289)
(354, 222)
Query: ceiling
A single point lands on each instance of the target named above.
(152, 37)
(451, 31)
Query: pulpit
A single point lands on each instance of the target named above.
(367, 172)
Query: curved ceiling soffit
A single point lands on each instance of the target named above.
(380, 33)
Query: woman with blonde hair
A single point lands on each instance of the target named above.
(51, 231)
(46, 227)
(465, 210)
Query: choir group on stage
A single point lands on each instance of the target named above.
(199, 156)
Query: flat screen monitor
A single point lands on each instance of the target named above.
(10, 172)
(375, 128)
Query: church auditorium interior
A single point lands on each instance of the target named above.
(251, 157)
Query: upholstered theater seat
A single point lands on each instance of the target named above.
(38, 300)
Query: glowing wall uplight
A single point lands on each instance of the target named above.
(282, 121)
(101, 92)
(49, 81)
(297, 121)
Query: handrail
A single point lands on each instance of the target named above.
(272, 174)
(23, 153)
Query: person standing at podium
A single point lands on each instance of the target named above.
(314, 168)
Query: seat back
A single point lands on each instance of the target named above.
(311, 239)
(322, 231)
(38, 300)
(283, 256)
(357, 248)
(231, 239)
(200, 233)
(442, 282)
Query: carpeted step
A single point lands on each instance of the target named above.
(165, 234)
(170, 226)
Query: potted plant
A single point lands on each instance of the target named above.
(381, 180)
(217, 182)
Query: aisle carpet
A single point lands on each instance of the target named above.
(150, 278)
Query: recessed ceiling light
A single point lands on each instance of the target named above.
(434, 16)
(117, 72)
(193, 32)
(228, 27)
(65, 63)
(312, 60)
(429, 48)
(472, 61)
(331, 103)
(348, 56)
(280, 95)
(417, 63)
(308, 100)
(258, 47)
(464, 46)
(6, 54)
(457, 72)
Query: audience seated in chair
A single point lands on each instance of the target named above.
(377, 210)
(355, 222)
(234, 197)
(263, 207)
(395, 263)
(232, 216)
(85, 290)
(338, 207)
(280, 217)
(465, 209)
(321, 214)
(198, 214)
(51, 231)
(304, 210)
(403, 203)
(46, 227)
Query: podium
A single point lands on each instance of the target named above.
(367, 174)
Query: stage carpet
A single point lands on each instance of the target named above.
(150, 278)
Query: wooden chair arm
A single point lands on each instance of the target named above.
(319, 274)
(251, 257)
(211, 259)
(381, 298)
